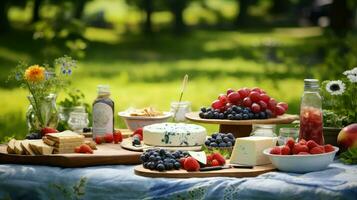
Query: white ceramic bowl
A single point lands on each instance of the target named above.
(301, 163)
(135, 122)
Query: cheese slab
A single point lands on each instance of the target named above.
(249, 150)
(68, 136)
(25, 144)
(11, 146)
(40, 148)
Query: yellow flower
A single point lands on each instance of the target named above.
(35, 74)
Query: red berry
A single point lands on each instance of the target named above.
(329, 148)
(84, 148)
(275, 150)
(272, 104)
(77, 150)
(303, 153)
(311, 144)
(284, 105)
(138, 131)
(265, 98)
(191, 164)
(302, 141)
(223, 98)
(285, 150)
(247, 102)
(255, 108)
(215, 163)
(234, 97)
(300, 148)
(219, 158)
(254, 96)
(263, 105)
(290, 143)
(317, 150)
(279, 110)
(182, 161)
(118, 137)
(209, 158)
(108, 137)
(98, 139)
(48, 130)
(256, 89)
(139, 136)
(230, 90)
(243, 93)
(217, 104)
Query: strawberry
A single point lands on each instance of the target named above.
(138, 131)
(48, 130)
(290, 143)
(302, 141)
(191, 164)
(311, 144)
(275, 150)
(182, 161)
(285, 150)
(108, 137)
(98, 139)
(139, 136)
(77, 150)
(209, 160)
(84, 148)
(329, 148)
(317, 150)
(303, 153)
(215, 163)
(300, 148)
(117, 136)
(219, 158)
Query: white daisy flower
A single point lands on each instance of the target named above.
(335, 87)
(351, 75)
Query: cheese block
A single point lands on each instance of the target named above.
(18, 148)
(11, 146)
(63, 144)
(249, 150)
(65, 136)
(25, 144)
(174, 134)
(40, 148)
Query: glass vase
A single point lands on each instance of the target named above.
(46, 115)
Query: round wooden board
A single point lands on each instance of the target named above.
(283, 119)
(231, 172)
(127, 144)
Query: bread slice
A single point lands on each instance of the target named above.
(26, 147)
(65, 136)
(18, 148)
(40, 148)
(11, 146)
(64, 144)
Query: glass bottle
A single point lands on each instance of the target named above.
(311, 124)
(179, 110)
(265, 130)
(103, 112)
(78, 119)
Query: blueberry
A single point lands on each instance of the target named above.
(216, 115)
(221, 116)
(201, 114)
(160, 167)
(152, 158)
(223, 144)
(214, 135)
(169, 166)
(248, 109)
(262, 115)
(239, 109)
(203, 109)
(245, 116)
(229, 144)
(146, 166)
(229, 110)
(158, 158)
(233, 113)
(210, 114)
(219, 139)
(207, 142)
(234, 107)
(143, 158)
(238, 117)
(256, 116)
(166, 160)
(245, 111)
(177, 165)
(160, 162)
(213, 144)
(151, 165)
(172, 160)
(251, 115)
(205, 116)
(230, 135)
(226, 139)
(208, 109)
(230, 116)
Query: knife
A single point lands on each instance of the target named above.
(203, 169)
(241, 166)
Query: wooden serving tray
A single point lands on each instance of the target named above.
(231, 172)
(106, 154)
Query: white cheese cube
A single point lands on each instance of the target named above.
(249, 150)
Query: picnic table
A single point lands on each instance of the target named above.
(338, 181)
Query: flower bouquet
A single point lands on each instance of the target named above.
(43, 82)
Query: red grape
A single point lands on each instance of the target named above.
(216, 104)
(255, 108)
(254, 96)
(284, 105)
(265, 98)
(263, 105)
(279, 110)
(247, 102)
(234, 97)
(243, 93)
(222, 98)
(230, 90)
(272, 104)
(256, 89)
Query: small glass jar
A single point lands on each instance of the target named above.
(179, 110)
(286, 133)
(78, 120)
(266, 130)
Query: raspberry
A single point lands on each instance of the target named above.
(117, 137)
(290, 143)
(138, 131)
(300, 148)
(191, 164)
(317, 150)
(219, 158)
(329, 148)
(303, 153)
(302, 141)
(275, 150)
(98, 139)
(48, 130)
(108, 137)
(215, 163)
(311, 144)
(84, 148)
(285, 150)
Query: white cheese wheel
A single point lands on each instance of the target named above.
(174, 134)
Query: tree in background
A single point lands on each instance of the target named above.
(243, 16)
(341, 16)
(4, 20)
(36, 11)
(177, 8)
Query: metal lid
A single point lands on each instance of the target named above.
(103, 89)
(311, 83)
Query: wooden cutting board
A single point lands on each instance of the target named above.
(231, 172)
(106, 154)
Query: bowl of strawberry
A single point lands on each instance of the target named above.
(244, 104)
(301, 157)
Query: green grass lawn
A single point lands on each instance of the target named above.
(147, 71)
